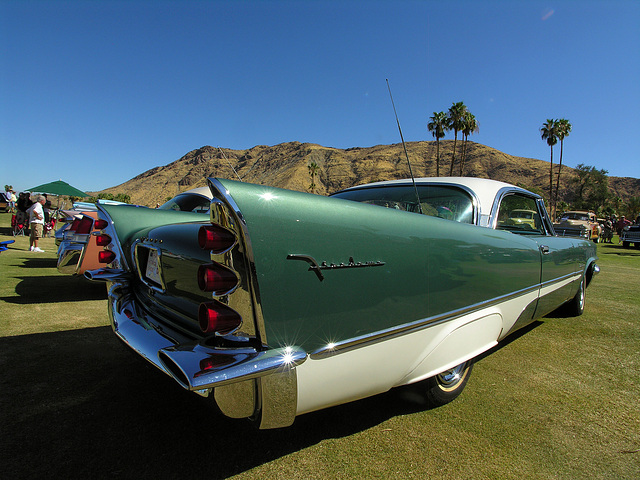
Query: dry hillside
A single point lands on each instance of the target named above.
(286, 166)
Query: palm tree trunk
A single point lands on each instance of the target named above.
(551, 206)
(437, 157)
(555, 201)
(464, 154)
(453, 155)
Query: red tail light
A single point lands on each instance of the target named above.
(213, 277)
(101, 224)
(213, 237)
(106, 256)
(74, 224)
(103, 240)
(218, 318)
(84, 226)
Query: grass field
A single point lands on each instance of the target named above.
(562, 400)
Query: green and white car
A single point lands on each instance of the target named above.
(281, 303)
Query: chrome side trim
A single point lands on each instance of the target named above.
(407, 328)
(561, 279)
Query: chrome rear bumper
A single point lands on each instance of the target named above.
(69, 257)
(265, 379)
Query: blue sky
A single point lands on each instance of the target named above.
(97, 92)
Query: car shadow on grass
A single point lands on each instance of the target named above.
(623, 253)
(79, 403)
(55, 288)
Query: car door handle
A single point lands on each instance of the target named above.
(544, 249)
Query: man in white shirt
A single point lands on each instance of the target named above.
(36, 223)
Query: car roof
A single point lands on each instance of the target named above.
(484, 189)
(204, 191)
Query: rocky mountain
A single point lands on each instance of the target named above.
(287, 165)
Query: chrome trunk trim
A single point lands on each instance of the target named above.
(69, 257)
(226, 213)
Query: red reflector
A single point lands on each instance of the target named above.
(103, 240)
(215, 238)
(85, 225)
(215, 361)
(213, 277)
(106, 256)
(101, 224)
(218, 318)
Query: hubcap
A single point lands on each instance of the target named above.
(451, 377)
(581, 301)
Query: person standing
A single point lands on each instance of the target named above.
(36, 223)
(12, 203)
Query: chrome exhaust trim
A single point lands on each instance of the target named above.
(108, 275)
(197, 367)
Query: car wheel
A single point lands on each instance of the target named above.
(446, 386)
(626, 244)
(575, 306)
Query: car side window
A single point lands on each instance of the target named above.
(443, 201)
(519, 214)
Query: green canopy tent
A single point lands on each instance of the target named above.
(58, 188)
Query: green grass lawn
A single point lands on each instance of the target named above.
(562, 400)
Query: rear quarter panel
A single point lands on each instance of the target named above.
(431, 266)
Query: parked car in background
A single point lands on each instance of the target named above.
(570, 224)
(80, 246)
(630, 235)
(524, 217)
(281, 303)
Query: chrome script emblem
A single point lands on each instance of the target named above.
(317, 268)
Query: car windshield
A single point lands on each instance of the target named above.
(575, 216)
(522, 214)
(188, 202)
(446, 202)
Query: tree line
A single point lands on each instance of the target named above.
(589, 186)
(588, 189)
(459, 119)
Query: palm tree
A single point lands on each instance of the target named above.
(549, 132)
(470, 127)
(313, 170)
(456, 112)
(438, 126)
(564, 128)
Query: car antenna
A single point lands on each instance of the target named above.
(225, 157)
(405, 149)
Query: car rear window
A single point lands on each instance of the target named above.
(450, 203)
(188, 202)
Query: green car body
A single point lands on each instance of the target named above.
(281, 303)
